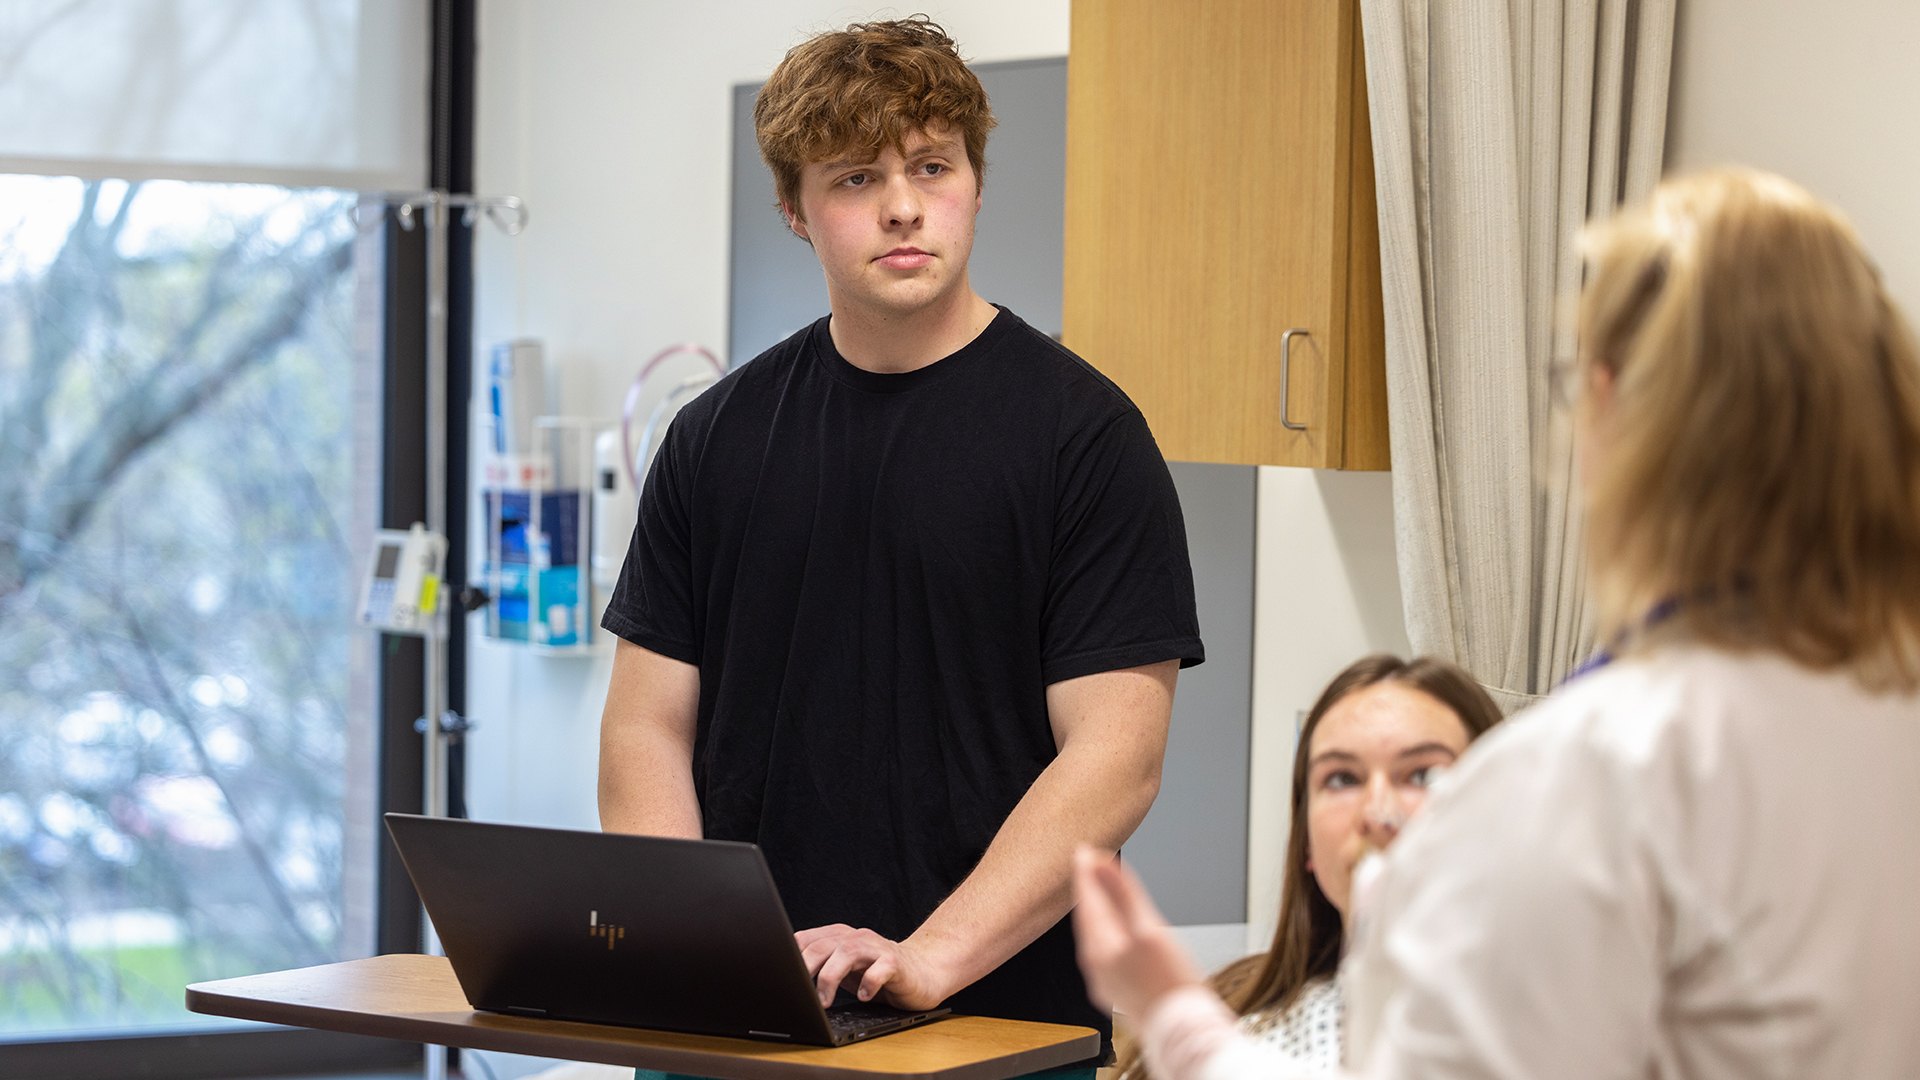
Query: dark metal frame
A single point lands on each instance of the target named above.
(455, 50)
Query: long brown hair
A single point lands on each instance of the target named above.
(1309, 938)
(1762, 459)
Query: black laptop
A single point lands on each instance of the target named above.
(685, 935)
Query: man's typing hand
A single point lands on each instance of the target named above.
(871, 966)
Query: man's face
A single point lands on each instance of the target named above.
(893, 232)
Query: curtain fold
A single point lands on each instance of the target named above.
(1499, 129)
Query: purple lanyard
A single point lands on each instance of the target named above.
(1605, 655)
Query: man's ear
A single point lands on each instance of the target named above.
(795, 222)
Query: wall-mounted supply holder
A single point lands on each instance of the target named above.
(537, 508)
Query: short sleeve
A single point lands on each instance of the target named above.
(652, 603)
(1120, 587)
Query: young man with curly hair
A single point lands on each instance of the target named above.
(909, 590)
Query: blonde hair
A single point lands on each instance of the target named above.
(862, 88)
(1761, 465)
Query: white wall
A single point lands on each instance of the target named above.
(612, 121)
(1824, 94)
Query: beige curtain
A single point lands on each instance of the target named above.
(1499, 128)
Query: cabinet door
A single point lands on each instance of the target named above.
(1209, 167)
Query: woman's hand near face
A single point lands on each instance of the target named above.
(1127, 951)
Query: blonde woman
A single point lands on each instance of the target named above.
(1700, 857)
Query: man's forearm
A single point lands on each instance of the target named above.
(1023, 885)
(1111, 731)
(646, 745)
(646, 787)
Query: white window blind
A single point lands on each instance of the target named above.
(294, 92)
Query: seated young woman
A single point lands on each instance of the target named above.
(1381, 731)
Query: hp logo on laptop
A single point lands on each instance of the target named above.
(609, 931)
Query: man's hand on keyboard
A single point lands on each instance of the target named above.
(873, 967)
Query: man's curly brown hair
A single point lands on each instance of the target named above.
(859, 89)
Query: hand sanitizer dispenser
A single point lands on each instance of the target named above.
(615, 506)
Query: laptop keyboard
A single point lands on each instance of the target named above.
(851, 1021)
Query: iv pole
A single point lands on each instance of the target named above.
(438, 724)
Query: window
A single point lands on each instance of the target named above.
(186, 469)
(195, 739)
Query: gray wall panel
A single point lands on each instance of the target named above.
(774, 282)
(1192, 849)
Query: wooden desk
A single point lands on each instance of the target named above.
(416, 998)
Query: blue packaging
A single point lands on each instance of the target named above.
(559, 541)
(561, 620)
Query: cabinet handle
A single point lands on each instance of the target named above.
(1286, 382)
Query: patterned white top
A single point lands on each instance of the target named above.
(1308, 1031)
(1306, 1034)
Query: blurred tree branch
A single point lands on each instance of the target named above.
(50, 489)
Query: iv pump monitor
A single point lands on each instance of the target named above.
(403, 580)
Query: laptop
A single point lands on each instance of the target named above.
(642, 931)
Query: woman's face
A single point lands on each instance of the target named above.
(1369, 762)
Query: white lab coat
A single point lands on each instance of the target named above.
(1686, 865)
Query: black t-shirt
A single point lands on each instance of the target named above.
(878, 575)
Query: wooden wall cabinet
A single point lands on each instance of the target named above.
(1219, 195)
